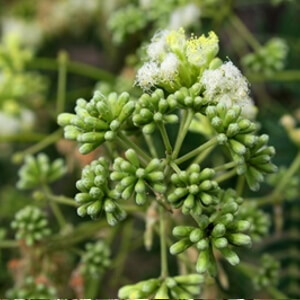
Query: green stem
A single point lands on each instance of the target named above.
(123, 252)
(73, 67)
(62, 200)
(22, 137)
(294, 167)
(50, 139)
(226, 176)
(226, 166)
(201, 157)
(93, 284)
(150, 144)
(240, 185)
(197, 151)
(8, 244)
(282, 76)
(79, 234)
(163, 244)
(165, 138)
(55, 209)
(62, 82)
(130, 144)
(175, 168)
(183, 130)
(245, 32)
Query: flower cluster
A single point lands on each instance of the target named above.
(268, 274)
(227, 85)
(268, 59)
(126, 22)
(97, 121)
(239, 131)
(31, 225)
(258, 162)
(32, 289)
(175, 61)
(152, 110)
(95, 259)
(292, 188)
(178, 287)
(133, 179)
(220, 228)
(194, 189)
(37, 171)
(190, 98)
(96, 195)
(259, 220)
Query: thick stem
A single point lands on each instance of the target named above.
(163, 244)
(197, 151)
(62, 82)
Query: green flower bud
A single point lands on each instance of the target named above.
(38, 170)
(32, 288)
(268, 273)
(31, 225)
(189, 189)
(98, 120)
(151, 110)
(96, 194)
(180, 246)
(133, 179)
(203, 261)
(230, 256)
(268, 59)
(95, 260)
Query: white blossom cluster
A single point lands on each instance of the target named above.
(174, 61)
(227, 85)
(162, 67)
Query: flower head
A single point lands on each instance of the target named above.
(148, 75)
(200, 51)
(227, 85)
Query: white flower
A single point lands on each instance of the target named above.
(227, 85)
(184, 16)
(169, 67)
(226, 82)
(148, 75)
(156, 50)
